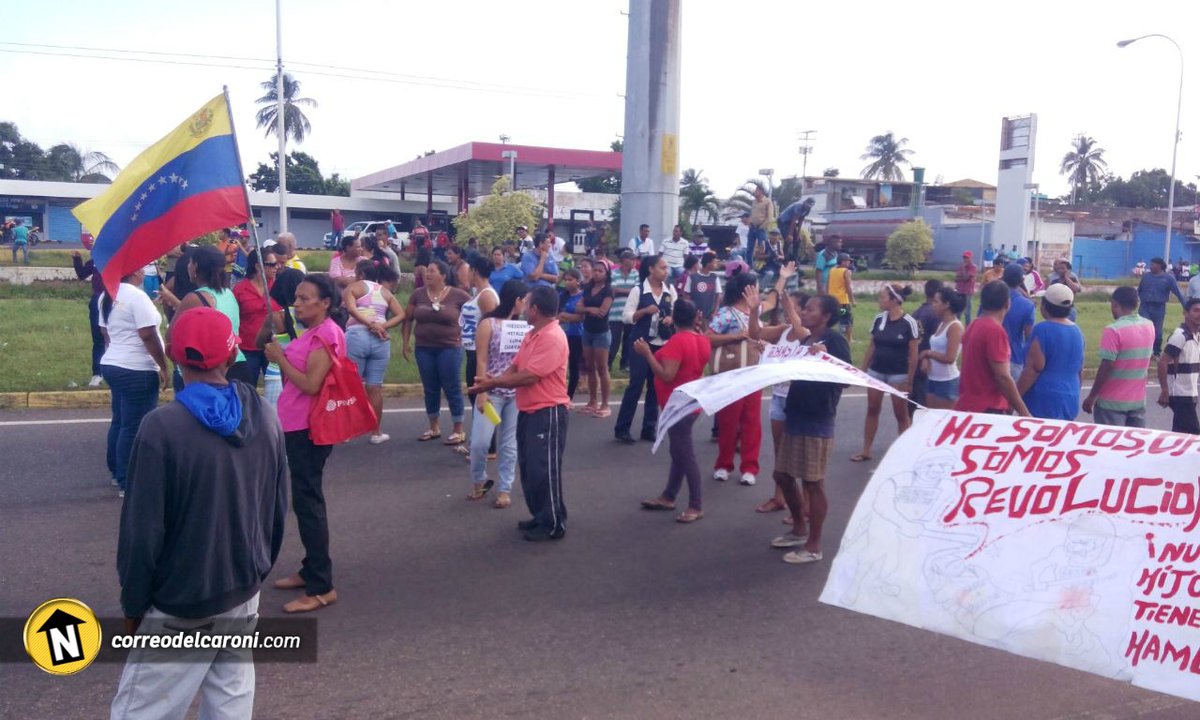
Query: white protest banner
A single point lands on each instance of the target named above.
(512, 333)
(1066, 542)
(716, 391)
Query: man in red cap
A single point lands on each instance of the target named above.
(201, 527)
(964, 282)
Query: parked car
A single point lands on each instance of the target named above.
(367, 227)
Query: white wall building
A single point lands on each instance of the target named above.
(1018, 137)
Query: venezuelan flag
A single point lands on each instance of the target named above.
(185, 185)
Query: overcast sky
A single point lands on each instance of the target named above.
(551, 72)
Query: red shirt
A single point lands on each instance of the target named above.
(253, 311)
(544, 353)
(692, 350)
(984, 342)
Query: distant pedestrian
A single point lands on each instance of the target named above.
(987, 384)
(493, 359)
(570, 317)
(539, 265)
(624, 280)
(134, 366)
(304, 364)
(341, 265)
(642, 245)
(20, 241)
(891, 358)
(929, 319)
(941, 355)
(680, 360)
(1050, 381)
(201, 528)
(597, 340)
(1154, 292)
(433, 311)
(337, 224)
(1033, 279)
(1018, 321)
(964, 282)
(1179, 369)
(826, 260)
(839, 283)
(810, 416)
(539, 374)
(703, 287)
(524, 240)
(1118, 395)
(648, 317)
(674, 249)
(699, 244)
(762, 216)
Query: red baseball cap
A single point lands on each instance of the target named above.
(967, 254)
(202, 338)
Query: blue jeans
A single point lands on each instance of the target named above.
(24, 248)
(640, 377)
(441, 372)
(134, 393)
(755, 236)
(1155, 313)
(481, 436)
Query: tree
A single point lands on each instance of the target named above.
(70, 164)
(742, 199)
(303, 177)
(1144, 189)
(494, 220)
(295, 125)
(696, 197)
(886, 154)
(908, 246)
(1083, 165)
(790, 190)
(830, 172)
(610, 184)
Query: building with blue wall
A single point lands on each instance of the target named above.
(1114, 256)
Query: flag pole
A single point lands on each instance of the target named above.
(262, 270)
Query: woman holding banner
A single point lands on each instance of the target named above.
(891, 358)
(497, 339)
(733, 332)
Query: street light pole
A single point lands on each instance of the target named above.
(1175, 143)
(280, 117)
(511, 157)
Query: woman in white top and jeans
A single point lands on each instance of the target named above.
(940, 360)
(134, 366)
(494, 361)
(373, 311)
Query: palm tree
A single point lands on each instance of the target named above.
(69, 163)
(1084, 164)
(742, 199)
(696, 197)
(295, 125)
(886, 154)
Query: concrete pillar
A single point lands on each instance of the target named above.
(429, 199)
(550, 199)
(650, 162)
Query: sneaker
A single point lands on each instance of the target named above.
(526, 525)
(748, 479)
(801, 556)
(115, 483)
(120, 493)
(789, 540)
(380, 438)
(721, 475)
(541, 534)
(95, 381)
(625, 438)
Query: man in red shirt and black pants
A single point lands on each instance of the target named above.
(539, 374)
(986, 385)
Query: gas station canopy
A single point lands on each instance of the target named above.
(469, 170)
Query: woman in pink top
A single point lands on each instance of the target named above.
(341, 266)
(304, 363)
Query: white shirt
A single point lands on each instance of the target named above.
(674, 251)
(635, 297)
(642, 247)
(743, 234)
(1194, 287)
(558, 249)
(132, 311)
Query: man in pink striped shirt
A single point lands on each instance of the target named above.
(1118, 395)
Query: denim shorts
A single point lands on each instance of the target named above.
(369, 353)
(945, 389)
(778, 405)
(597, 340)
(892, 380)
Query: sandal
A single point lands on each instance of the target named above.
(308, 603)
(463, 450)
(457, 438)
(689, 516)
(479, 491)
(658, 503)
(859, 458)
(503, 500)
(772, 505)
(603, 412)
(587, 410)
(429, 435)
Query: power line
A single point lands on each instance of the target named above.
(352, 73)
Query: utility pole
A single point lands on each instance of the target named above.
(280, 124)
(806, 148)
(650, 161)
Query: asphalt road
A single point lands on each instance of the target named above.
(445, 612)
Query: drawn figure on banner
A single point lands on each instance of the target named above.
(1064, 583)
(964, 589)
(909, 505)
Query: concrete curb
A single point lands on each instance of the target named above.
(87, 399)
